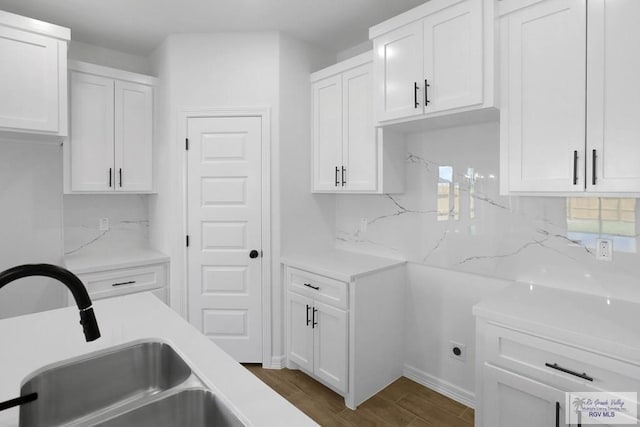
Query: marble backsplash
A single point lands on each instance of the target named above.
(452, 216)
(128, 216)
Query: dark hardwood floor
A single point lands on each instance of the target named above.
(404, 403)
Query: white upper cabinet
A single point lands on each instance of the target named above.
(348, 153)
(110, 144)
(557, 137)
(433, 60)
(33, 76)
(613, 95)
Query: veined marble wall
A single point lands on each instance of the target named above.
(128, 216)
(476, 230)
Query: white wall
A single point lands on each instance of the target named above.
(108, 57)
(30, 223)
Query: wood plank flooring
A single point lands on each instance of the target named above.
(404, 403)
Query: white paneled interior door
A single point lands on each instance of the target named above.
(224, 225)
(92, 151)
(613, 95)
(133, 136)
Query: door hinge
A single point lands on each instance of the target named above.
(187, 240)
(186, 144)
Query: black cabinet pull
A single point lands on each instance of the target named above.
(416, 104)
(557, 414)
(337, 171)
(130, 282)
(308, 307)
(309, 285)
(109, 177)
(557, 367)
(426, 94)
(594, 157)
(575, 167)
(120, 173)
(343, 172)
(313, 318)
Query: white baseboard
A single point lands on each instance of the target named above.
(277, 362)
(441, 386)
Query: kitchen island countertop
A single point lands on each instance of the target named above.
(33, 341)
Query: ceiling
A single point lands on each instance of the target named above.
(138, 26)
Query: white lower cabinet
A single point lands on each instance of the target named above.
(108, 282)
(333, 327)
(523, 374)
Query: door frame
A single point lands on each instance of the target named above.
(264, 113)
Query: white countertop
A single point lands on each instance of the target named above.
(89, 262)
(588, 321)
(33, 341)
(340, 265)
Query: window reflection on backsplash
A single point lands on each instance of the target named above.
(445, 179)
(590, 218)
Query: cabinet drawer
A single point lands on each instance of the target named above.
(109, 283)
(318, 287)
(529, 355)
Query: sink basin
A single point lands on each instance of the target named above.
(187, 408)
(96, 383)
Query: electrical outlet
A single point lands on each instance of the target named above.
(103, 224)
(604, 249)
(457, 351)
(364, 222)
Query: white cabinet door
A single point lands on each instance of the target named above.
(453, 51)
(359, 146)
(613, 95)
(543, 90)
(330, 345)
(91, 138)
(511, 400)
(30, 82)
(398, 73)
(133, 136)
(300, 335)
(326, 104)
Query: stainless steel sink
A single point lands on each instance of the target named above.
(187, 408)
(76, 391)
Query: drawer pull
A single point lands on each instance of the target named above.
(130, 282)
(309, 285)
(555, 366)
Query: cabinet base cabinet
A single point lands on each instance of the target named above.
(346, 335)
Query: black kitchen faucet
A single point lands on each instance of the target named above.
(80, 295)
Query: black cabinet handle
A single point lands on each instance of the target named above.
(426, 94)
(557, 414)
(313, 318)
(337, 171)
(309, 285)
(416, 104)
(594, 157)
(109, 177)
(308, 307)
(120, 173)
(130, 282)
(557, 367)
(343, 172)
(575, 167)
